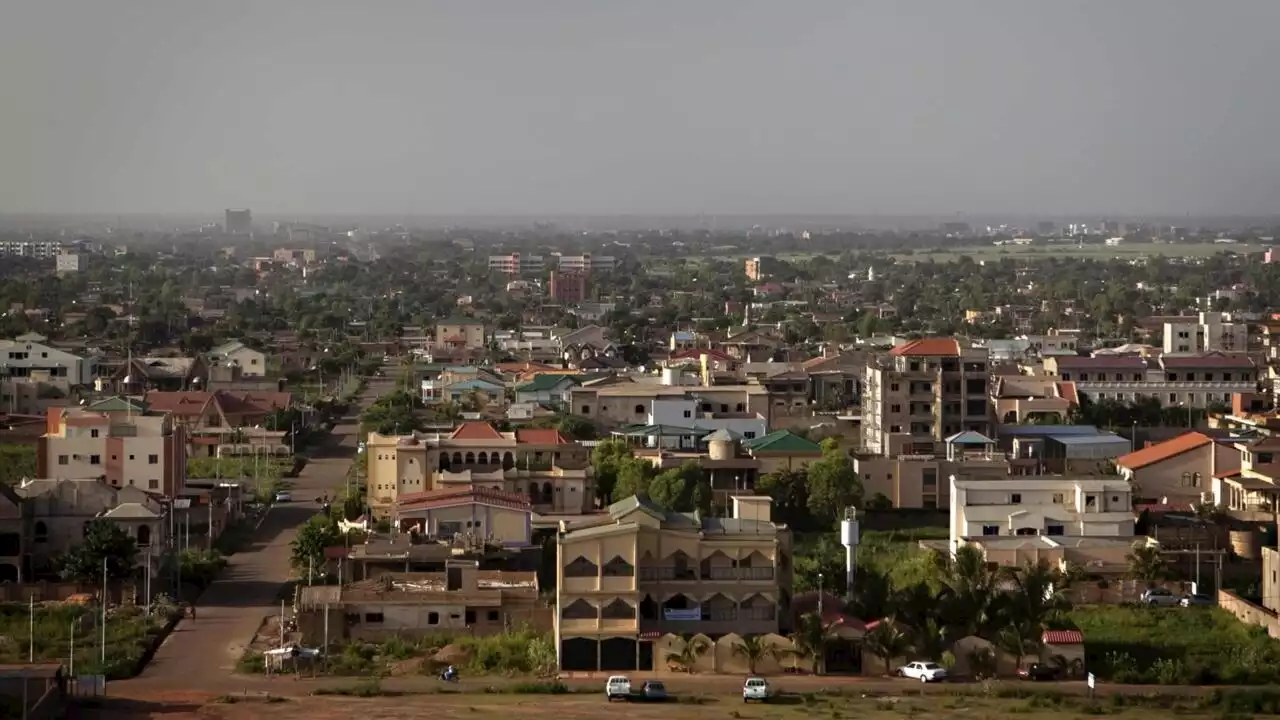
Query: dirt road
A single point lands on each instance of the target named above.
(202, 653)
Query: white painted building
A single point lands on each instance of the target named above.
(69, 262)
(28, 357)
(1206, 332)
(30, 248)
(1034, 505)
(684, 413)
(587, 262)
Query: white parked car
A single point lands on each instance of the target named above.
(1160, 597)
(284, 496)
(923, 671)
(617, 687)
(756, 689)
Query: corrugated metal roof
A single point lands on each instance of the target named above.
(1062, 637)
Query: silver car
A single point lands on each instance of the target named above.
(1160, 597)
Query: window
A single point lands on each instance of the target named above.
(93, 433)
(153, 459)
(374, 617)
(1226, 377)
(494, 616)
(990, 530)
(1066, 376)
(688, 413)
(433, 618)
(153, 484)
(95, 459)
(62, 459)
(1015, 498)
(639, 409)
(893, 387)
(895, 408)
(1054, 530)
(586, 409)
(749, 434)
(1057, 498)
(1084, 376)
(470, 618)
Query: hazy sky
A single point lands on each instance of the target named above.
(639, 106)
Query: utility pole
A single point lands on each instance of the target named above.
(71, 661)
(31, 630)
(281, 623)
(104, 613)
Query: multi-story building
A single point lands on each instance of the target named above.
(754, 267)
(118, 441)
(70, 262)
(59, 510)
(567, 287)
(586, 263)
(516, 264)
(630, 404)
(237, 222)
(628, 578)
(1051, 506)
(923, 392)
(28, 357)
(43, 249)
(460, 333)
(915, 477)
(544, 466)
(1207, 332)
(1019, 398)
(1198, 380)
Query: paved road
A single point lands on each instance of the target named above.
(202, 652)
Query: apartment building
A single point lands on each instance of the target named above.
(553, 472)
(27, 356)
(567, 287)
(43, 249)
(1049, 506)
(460, 333)
(630, 404)
(1206, 332)
(117, 441)
(70, 262)
(916, 477)
(754, 268)
(586, 263)
(628, 578)
(463, 600)
(516, 264)
(1196, 380)
(922, 392)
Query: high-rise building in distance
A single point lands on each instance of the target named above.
(238, 222)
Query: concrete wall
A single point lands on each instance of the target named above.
(1247, 612)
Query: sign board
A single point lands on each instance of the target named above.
(682, 614)
(1092, 681)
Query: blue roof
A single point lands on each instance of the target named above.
(1048, 430)
(1099, 439)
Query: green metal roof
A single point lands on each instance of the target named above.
(783, 441)
(653, 430)
(118, 404)
(544, 382)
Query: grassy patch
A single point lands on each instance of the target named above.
(520, 652)
(1176, 646)
(130, 635)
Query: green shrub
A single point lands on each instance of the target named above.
(251, 663)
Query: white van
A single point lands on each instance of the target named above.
(617, 687)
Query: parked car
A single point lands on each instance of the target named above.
(652, 691)
(617, 687)
(923, 671)
(1038, 671)
(1188, 600)
(756, 689)
(1160, 597)
(284, 496)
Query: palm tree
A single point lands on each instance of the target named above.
(1147, 564)
(694, 648)
(930, 639)
(1037, 597)
(1016, 640)
(968, 589)
(811, 639)
(753, 649)
(887, 641)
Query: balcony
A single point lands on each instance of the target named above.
(714, 574)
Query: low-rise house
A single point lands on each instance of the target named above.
(461, 600)
(29, 356)
(547, 390)
(1050, 506)
(1180, 470)
(492, 517)
(460, 333)
(141, 374)
(1020, 399)
(59, 510)
(252, 363)
(212, 420)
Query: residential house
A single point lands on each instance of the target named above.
(460, 333)
(547, 390)
(29, 357)
(629, 577)
(750, 345)
(464, 383)
(544, 466)
(835, 379)
(60, 509)
(140, 374)
(120, 442)
(213, 420)
(574, 346)
(463, 600)
(629, 404)
(15, 527)
(1180, 470)
(1255, 487)
(491, 517)
(1206, 332)
(1019, 399)
(1051, 506)
(252, 363)
(914, 477)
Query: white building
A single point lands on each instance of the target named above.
(1206, 332)
(587, 262)
(515, 263)
(684, 413)
(28, 357)
(1035, 505)
(70, 262)
(1195, 380)
(30, 248)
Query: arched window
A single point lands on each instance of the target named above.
(1186, 480)
(144, 535)
(457, 459)
(483, 458)
(470, 459)
(639, 409)
(1195, 480)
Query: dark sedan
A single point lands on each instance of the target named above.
(1038, 671)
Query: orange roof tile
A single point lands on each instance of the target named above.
(541, 436)
(928, 347)
(1163, 451)
(475, 430)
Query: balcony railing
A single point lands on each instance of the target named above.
(673, 574)
(1155, 385)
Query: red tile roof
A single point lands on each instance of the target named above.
(463, 496)
(1067, 391)
(1062, 637)
(1208, 361)
(475, 430)
(1163, 451)
(928, 347)
(193, 402)
(1101, 362)
(541, 436)
(1164, 508)
(1227, 474)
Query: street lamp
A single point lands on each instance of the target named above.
(819, 597)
